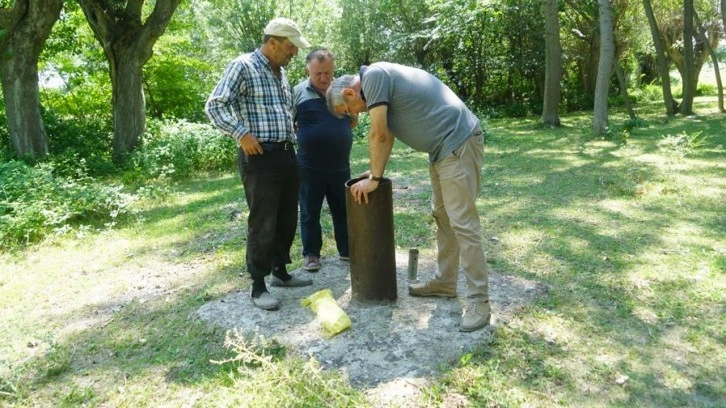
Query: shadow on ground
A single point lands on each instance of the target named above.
(390, 350)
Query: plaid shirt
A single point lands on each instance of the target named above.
(250, 98)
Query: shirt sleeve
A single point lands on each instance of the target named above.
(375, 85)
(220, 107)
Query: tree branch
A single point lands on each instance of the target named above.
(133, 9)
(9, 16)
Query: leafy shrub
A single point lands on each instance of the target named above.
(621, 134)
(647, 93)
(631, 124)
(89, 138)
(6, 150)
(177, 84)
(176, 150)
(706, 89)
(683, 143)
(53, 198)
(360, 132)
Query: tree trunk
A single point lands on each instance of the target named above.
(624, 91)
(22, 106)
(605, 67)
(714, 59)
(129, 105)
(662, 60)
(689, 86)
(127, 42)
(553, 64)
(26, 27)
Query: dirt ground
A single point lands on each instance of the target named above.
(391, 350)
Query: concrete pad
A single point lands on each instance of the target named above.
(390, 349)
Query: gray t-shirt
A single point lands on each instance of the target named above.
(423, 112)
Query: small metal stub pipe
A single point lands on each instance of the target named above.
(412, 264)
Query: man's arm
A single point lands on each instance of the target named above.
(380, 143)
(219, 104)
(220, 113)
(380, 140)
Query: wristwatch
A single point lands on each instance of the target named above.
(374, 178)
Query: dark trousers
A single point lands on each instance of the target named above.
(316, 185)
(272, 183)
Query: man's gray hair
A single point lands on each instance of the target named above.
(334, 95)
(321, 54)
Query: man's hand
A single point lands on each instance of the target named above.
(249, 144)
(361, 189)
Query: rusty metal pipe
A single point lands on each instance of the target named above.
(371, 241)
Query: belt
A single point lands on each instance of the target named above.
(275, 146)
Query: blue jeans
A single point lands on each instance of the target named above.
(316, 185)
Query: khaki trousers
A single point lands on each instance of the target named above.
(455, 185)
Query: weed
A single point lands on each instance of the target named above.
(78, 397)
(259, 361)
(10, 386)
(682, 144)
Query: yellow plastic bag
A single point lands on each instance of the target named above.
(332, 317)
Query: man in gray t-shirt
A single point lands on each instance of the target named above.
(422, 112)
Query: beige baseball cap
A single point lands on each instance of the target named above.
(283, 27)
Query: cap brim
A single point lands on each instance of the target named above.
(300, 42)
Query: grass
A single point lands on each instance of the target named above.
(626, 231)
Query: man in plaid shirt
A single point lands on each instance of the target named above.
(253, 103)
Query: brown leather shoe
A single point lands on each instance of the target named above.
(311, 263)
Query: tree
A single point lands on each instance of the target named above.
(553, 64)
(672, 31)
(702, 37)
(580, 19)
(26, 26)
(490, 53)
(689, 86)
(177, 79)
(662, 60)
(128, 43)
(622, 84)
(362, 28)
(239, 23)
(605, 67)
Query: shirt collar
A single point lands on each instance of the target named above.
(310, 87)
(259, 55)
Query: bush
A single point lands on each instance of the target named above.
(6, 150)
(54, 198)
(682, 144)
(176, 150)
(89, 138)
(647, 93)
(706, 89)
